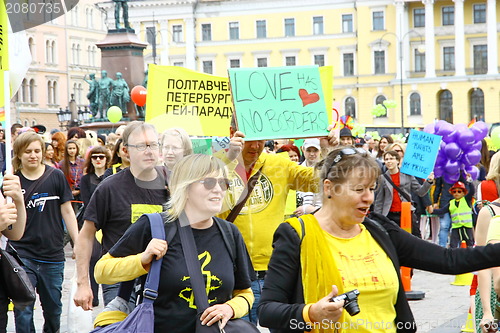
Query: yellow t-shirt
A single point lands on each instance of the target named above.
(365, 266)
(494, 229)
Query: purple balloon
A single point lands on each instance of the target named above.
(466, 139)
(451, 167)
(482, 127)
(429, 128)
(451, 179)
(476, 146)
(479, 133)
(472, 158)
(461, 127)
(438, 171)
(473, 171)
(450, 137)
(453, 151)
(443, 128)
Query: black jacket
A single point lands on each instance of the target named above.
(282, 299)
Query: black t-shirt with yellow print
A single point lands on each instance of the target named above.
(175, 310)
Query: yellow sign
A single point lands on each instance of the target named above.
(197, 102)
(326, 76)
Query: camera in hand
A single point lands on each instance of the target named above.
(350, 299)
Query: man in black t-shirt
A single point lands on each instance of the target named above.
(48, 202)
(119, 201)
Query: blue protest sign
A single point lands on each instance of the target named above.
(421, 153)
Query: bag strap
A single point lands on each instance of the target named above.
(404, 194)
(151, 286)
(228, 237)
(30, 190)
(193, 264)
(244, 197)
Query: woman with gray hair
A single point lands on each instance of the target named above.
(198, 185)
(175, 144)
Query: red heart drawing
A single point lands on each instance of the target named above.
(308, 98)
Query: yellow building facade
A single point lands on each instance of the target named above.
(437, 59)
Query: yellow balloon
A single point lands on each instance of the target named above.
(114, 114)
(495, 136)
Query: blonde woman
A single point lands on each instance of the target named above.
(198, 185)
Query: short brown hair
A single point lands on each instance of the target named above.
(22, 142)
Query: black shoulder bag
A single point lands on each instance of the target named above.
(197, 284)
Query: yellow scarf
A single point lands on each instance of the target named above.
(319, 271)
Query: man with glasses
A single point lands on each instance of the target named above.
(119, 201)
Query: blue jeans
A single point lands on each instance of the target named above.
(110, 291)
(257, 290)
(444, 229)
(47, 278)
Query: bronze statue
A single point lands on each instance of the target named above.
(92, 94)
(124, 7)
(104, 93)
(120, 94)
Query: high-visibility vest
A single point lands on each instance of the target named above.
(461, 216)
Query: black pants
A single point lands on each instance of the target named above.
(415, 223)
(461, 234)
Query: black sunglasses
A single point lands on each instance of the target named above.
(98, 157)
(345, 152)
(210, 183)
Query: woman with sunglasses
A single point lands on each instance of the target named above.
(94, 168)
(338, 250)
(198, 185)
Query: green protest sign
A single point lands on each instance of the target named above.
(202, 146)
(279, 102)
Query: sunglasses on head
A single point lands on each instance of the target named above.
(98, 157)
(210, 183)
(457, 191)
(345, 152)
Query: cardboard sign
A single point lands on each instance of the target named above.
(202, 146)
(197, 102)
(421, 153)
(279, 102)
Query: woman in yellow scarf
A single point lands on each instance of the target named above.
(337, 249)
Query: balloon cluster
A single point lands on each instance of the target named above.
(460, 149)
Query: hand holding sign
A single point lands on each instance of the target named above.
(235, 145)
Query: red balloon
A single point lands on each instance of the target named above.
(138, 95)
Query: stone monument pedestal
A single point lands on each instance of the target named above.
(122, 51)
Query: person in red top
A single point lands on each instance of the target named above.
(388, 199)
(488, 189)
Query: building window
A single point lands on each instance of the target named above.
(415, 106)
(446, 106)
(261, 62)
(318, 25)
(177, 33)
(449, 58)
(48, 52)
(234, 63)
(378, 20)
(348, 64)
(260, 25)
(206, 32)
(32, 91)
(477, 104)
(151, 35)
(208, 67)
(31, 44)
(54, 92)
(289, 27)
(380, 100)
(448, 15)
(379, 61)
(480, 13)
(234, 30)
(53, 51)
(319, 59)
(350, 107)
(290, 61)
(88, 17)
(347, 23)
(50, 89)
(419, 17)
(419, 61)
(179, 64)
(480, 59)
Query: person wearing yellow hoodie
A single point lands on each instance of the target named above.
(265, 207)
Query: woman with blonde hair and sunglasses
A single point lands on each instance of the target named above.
(198, 185)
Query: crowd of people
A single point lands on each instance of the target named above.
(307, 223)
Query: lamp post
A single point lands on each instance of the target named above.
(421, 48)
